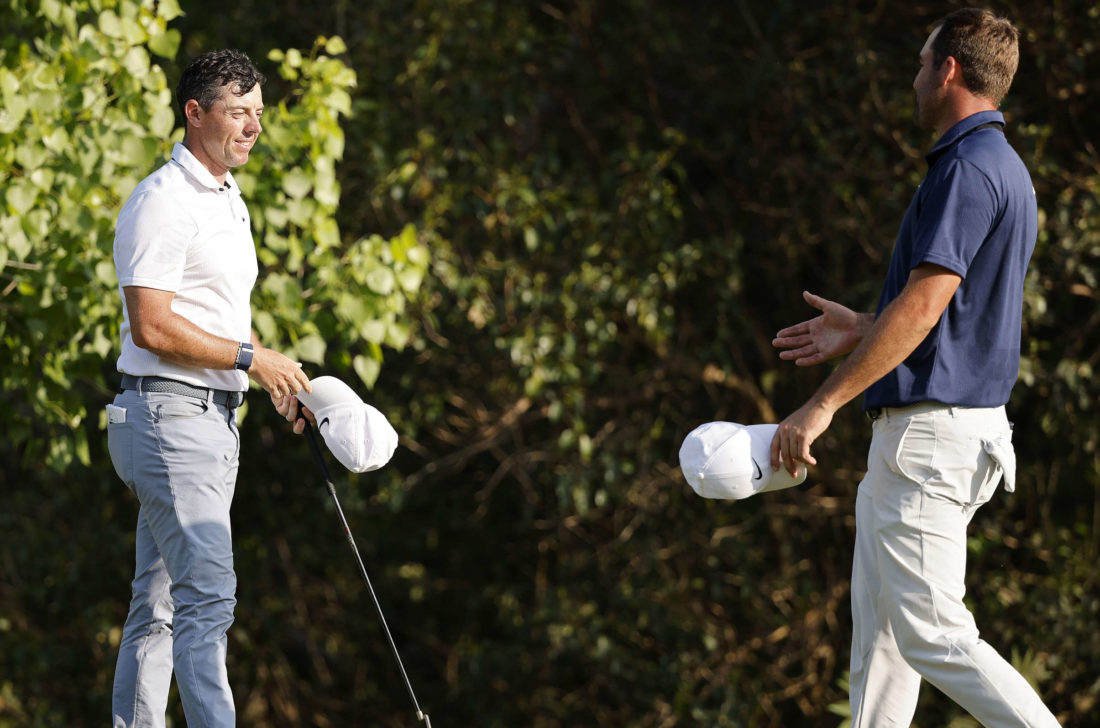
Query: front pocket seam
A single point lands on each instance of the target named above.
(159, 415)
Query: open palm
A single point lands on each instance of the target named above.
(835, 332)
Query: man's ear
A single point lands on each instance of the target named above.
(193, 112)
(951, 72)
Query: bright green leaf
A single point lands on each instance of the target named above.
(381, 281)
(136, 61)
(296, 184)
(169, 9)
(165, 45)
(162, 122)
(373, 331)
(367, 369)
(327, 233)
(13, 113)
(410, 279)
(21, 195)
(335, 46)
(110, 24)
(311, 348)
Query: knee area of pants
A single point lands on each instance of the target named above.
(207, 605)
(920, 639)
(205, 581)
(911, 632)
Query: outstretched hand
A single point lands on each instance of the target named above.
(837, 331)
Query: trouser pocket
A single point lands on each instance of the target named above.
(120, 445)
(941, 453)
(1004, 459)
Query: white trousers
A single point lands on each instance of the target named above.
(930, 467)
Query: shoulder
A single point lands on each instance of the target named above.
(984, 157)
(988, 150)
(957, 174)
(163, 194)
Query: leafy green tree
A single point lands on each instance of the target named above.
(87, 112)
(71, 158)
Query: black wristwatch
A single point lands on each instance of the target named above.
(244, 356)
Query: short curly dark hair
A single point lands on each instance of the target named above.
(204, 77)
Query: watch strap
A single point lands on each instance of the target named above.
(245, 353)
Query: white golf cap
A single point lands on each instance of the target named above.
(730, 461)
(360, 436)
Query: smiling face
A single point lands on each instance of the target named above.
(222, 136)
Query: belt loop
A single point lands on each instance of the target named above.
(140, 380)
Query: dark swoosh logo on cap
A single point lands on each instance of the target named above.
(759, 473)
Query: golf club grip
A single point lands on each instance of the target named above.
(311, 436)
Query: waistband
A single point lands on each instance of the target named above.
(171, 386)
(919, 408)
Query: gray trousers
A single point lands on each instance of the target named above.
(179, 456)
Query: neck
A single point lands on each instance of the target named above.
(197, 153)
(963, 106)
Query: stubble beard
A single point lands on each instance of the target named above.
(926, 112)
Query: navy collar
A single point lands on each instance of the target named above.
(961, 129)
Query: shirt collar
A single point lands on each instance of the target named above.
(961, 129)
(182, 156)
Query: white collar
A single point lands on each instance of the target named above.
(182, 156)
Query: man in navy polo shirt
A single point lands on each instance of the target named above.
(937, 363)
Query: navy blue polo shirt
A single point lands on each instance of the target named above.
(974, 214)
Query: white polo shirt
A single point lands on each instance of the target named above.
(182, 231)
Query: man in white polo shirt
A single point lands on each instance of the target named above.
(186, 265)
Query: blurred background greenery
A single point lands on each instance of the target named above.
(547, 240)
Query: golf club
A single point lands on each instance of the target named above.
(312, 438)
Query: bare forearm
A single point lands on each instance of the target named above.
(864, 322)
(885, 344)
(177, 340)
(892, 337)
(861, 328)
(155, 327)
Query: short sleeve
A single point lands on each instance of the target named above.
(151, 242)
(956, 217)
